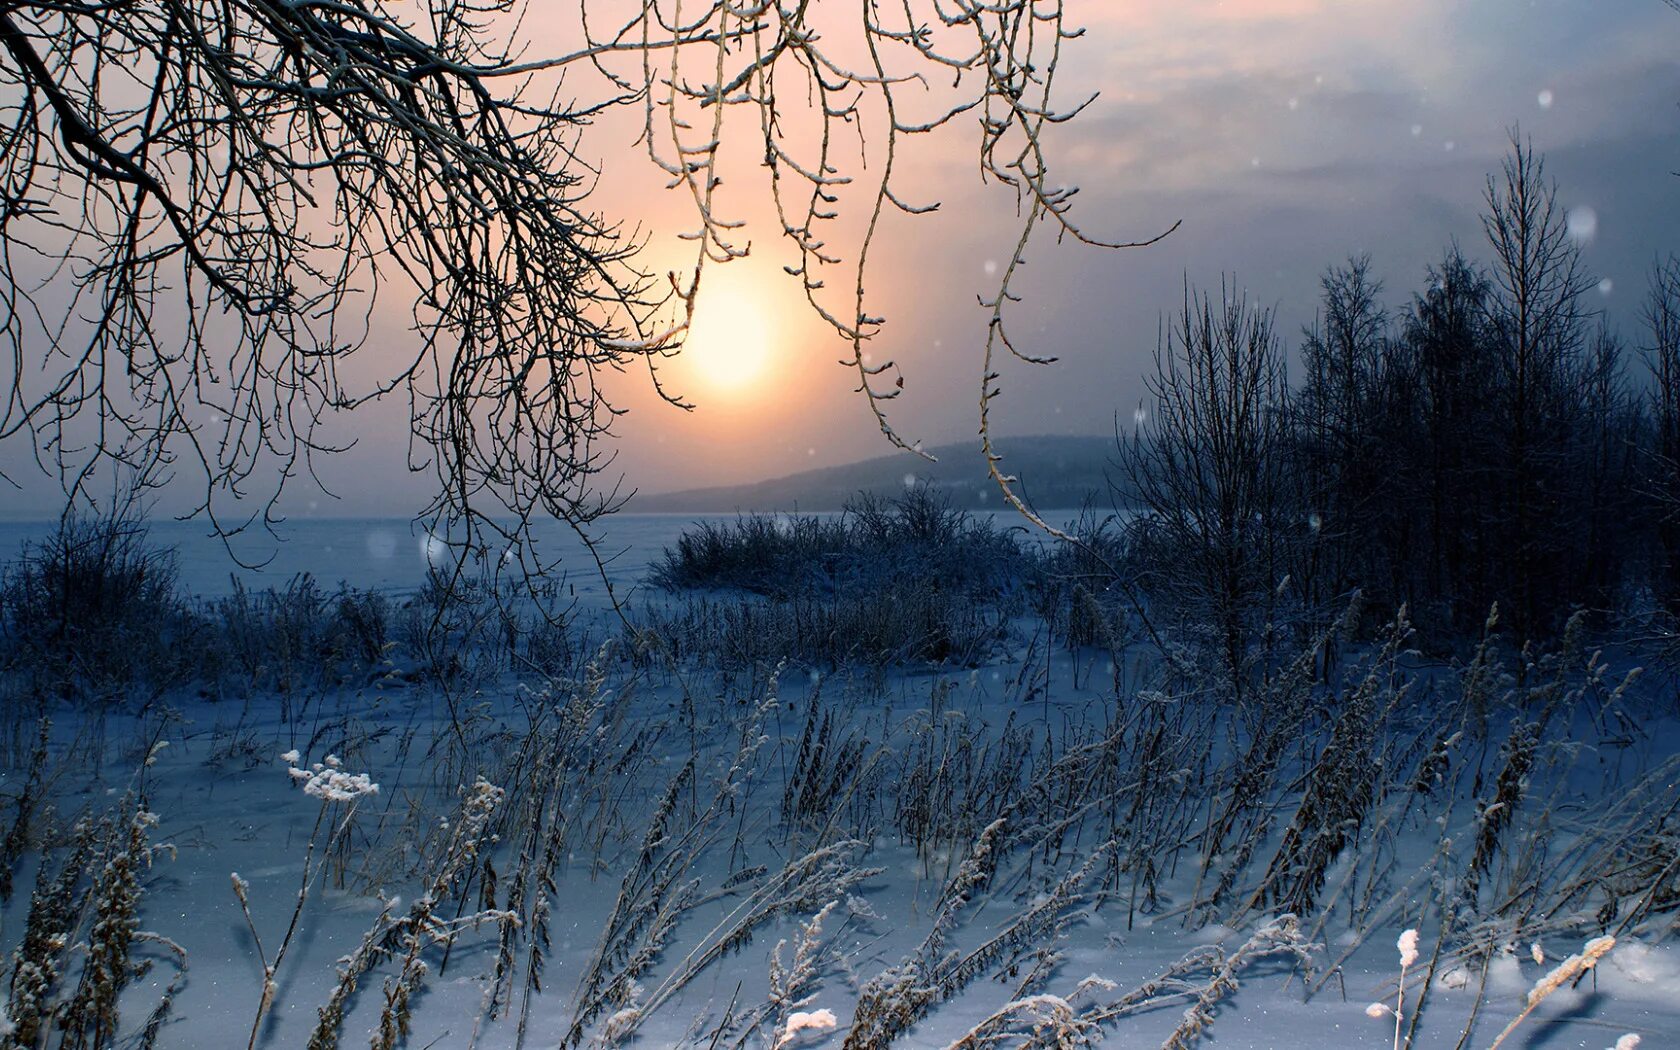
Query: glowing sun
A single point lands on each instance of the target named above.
(732, 337)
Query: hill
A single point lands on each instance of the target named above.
(1056, 472)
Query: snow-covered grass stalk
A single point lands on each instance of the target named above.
(1408, 945)
(1033, 1021)
(90, 1017)
(339, 794)
(823, 781)
(423, 928)
(1562, 974)
(898, 997)
(38, 964)
(827, 873)
(1281, 936)
(792, 984)
(664, 884)
(952, 777)
(410, 934)
(903, 994)
(29, 798)
(1203, 978)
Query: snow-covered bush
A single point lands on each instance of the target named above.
(875, 543)
(93, 609)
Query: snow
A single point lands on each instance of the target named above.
(1408, 945)
(247, 827)
(801, 1021)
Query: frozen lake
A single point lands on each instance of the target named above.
(389, 554)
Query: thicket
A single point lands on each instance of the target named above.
(94, 614)
(874, 543)
(908, 579)
(93, 607)
(1494, 441)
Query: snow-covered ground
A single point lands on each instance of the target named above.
(692, 827)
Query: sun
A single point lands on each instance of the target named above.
(732, 338)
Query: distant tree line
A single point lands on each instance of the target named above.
(1493, 441)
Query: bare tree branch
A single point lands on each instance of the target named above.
(203, 202)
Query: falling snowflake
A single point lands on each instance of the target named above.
(1582, 223)
(1545, 98)
(434, 550)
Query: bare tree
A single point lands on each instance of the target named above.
(1605, 517)
(1205, 469)
(1337, 416)
(1536, 318)
(1662, 321)
(1662, 469)
(203, 201)
(1446, 336)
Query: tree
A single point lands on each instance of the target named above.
(1205, 469)
(1536, 321)
(1600, 496)
(1662, 464)
(203, 201)
(1338, 412)
(1446, 337)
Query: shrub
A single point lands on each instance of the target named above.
(876, 542)
(93, 609)
(760, 553)
(889, 581)
(1077, 589)
(873, 628)
(296, 635)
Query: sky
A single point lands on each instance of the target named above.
(1286, 135)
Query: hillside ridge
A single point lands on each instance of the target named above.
(1056, 471)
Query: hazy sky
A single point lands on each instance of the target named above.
(1286, 134)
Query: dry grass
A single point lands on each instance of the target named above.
(1358, 788)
